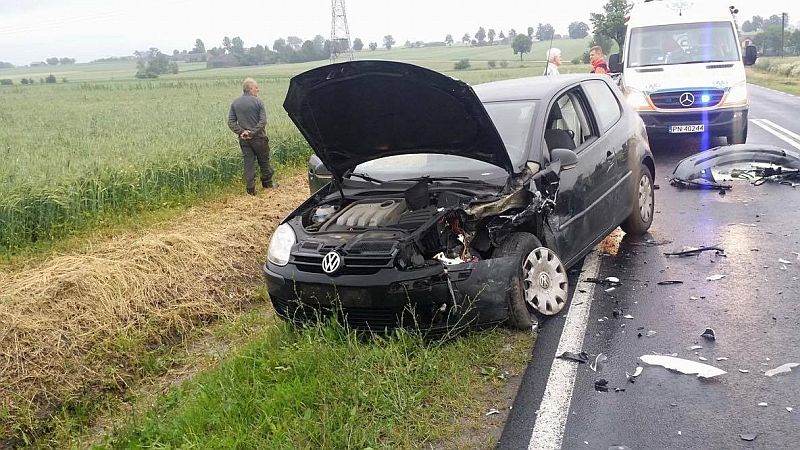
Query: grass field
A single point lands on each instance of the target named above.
(782, 74)
(80, 153)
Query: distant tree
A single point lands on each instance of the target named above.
(226, 44)
(448, 40)
(279, 46)
(199, 46)
(611, 23)
(758, 23)
(6, 65)
(793, 42)
(522, 44)
(408, 44)
(480, 36)
(462, 64)
(24, 81)
(237, 46)
(748, 27)
(294, 42)
(492, 34)
(64, 79)
(512, 34)
(502, 37)
(530, 32)
(358, 44)
(30, 80)
(176, 52)
(51, 79)
(152, 63)
(492, 64)
(9, 82)
(769, 40)
(466, 38)
(173, 67)
(603, 41)
(388, 42)
(66, 61)
(373, 46)
(775, 20)
(545, 32)
(52, 61)
(578, 30)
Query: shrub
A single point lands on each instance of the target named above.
(50, 79)
(24, 81)
(64, 79)
(6, 82)
(492, 64)
(462, 64)
(576, 60)
(503, 64)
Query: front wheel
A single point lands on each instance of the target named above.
(641, 217)
(539, 286)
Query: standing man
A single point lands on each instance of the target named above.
(248, 119)
(553, 61)
(598, 60)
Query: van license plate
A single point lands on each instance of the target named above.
(687, 128)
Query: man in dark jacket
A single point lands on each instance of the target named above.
(248, 119)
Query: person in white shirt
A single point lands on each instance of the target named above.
(553, 61)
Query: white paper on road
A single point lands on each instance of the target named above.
(684, 366)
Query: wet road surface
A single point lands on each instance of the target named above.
(754, 311)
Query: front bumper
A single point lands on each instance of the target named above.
(392, 298)
(718, 122)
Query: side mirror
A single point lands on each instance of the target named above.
(750, 55)
(562, 159)
(615, 63)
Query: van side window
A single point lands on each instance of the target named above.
(604, 103)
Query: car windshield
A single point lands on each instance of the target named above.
(513, 121)
(682, 43)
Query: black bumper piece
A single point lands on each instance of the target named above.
(477, 295)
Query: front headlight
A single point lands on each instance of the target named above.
(737, 95)
(280, 246)
(638, 100)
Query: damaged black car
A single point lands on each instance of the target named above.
(437, 205)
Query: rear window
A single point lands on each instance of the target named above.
(604, 104)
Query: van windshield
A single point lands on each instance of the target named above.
(682, 43)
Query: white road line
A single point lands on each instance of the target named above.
(551, 419)
(775, 130)
(775, 91)
(789, 133)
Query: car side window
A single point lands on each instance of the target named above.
(567, 123)
(606, 108)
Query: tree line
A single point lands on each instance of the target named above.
(769, 35)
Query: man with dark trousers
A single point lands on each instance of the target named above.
(248, 119)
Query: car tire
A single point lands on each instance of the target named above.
(525, 247)
(640, 219)
(738, 136)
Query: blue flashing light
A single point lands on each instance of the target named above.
(705, 98)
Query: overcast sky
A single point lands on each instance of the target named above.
(32, 30)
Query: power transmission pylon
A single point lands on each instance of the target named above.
(340, 32)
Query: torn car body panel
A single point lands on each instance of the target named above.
(698, 171)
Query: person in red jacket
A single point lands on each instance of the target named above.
(598, 60)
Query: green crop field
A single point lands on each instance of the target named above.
(105, 143)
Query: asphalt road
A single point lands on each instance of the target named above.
(753, 311)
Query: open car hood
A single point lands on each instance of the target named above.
(358, 111)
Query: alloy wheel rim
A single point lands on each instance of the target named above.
(544, 281)
(645, 199)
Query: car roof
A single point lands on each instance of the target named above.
(532, 88)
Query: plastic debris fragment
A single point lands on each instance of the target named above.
(784, 368)
(763, 404)
(783, 261)
(596, 365)
(581, 357)
(748, 437)
(709, 334)
(669, 282)
(722, 358)
(684, 366)
(744, 371)
(651, 333)
(632, 377)
(694, 251)
(696, 347)
(715, 277)
(492, 412)
(789, 408)
(628, 316)
(601, 385)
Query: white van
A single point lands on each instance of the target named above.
(683, 69)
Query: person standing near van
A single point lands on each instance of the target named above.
(247, 118)
(598, 60)
(553, 61)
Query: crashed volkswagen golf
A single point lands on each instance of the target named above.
(439, 205)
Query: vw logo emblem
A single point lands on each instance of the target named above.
(544, 281)
(331, 263)
(686, 99)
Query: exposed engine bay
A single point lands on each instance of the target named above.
(420, 226)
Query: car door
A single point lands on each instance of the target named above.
(578, 218)
(614, 134)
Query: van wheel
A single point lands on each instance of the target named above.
(539, 286)
(738, 136)
(644, 205)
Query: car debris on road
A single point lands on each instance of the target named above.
(684, 366)
(581, 357)
(695, 251)
(709, 334)
(782, 369)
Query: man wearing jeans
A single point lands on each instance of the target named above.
(248, 119)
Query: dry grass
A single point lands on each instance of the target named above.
(73, 326)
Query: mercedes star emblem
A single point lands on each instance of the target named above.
(331, 263)
(686, 99)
